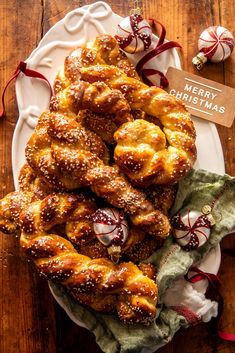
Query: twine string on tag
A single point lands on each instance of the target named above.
(22, 67)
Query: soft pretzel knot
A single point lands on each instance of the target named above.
(166, 157)
(97, 97)
(31, 188)
(104, 50)
(157, 164)
(10, 208)
(65, 154)
(122, 287)
(142, 153)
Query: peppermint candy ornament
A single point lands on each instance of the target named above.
(134, 34)
(111, 229)
(191, 229)
(215, 44)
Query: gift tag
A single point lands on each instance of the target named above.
(203, 98)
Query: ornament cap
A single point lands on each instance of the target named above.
(114, 253)
(199, 60)
(136, 11)
(206, 209)
(211, 219)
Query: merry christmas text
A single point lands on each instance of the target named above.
(198, 96)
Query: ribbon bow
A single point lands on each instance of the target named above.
(87, 16)
(22, 67)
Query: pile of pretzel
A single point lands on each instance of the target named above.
(107, 139)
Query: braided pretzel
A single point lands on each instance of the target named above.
(138, 246)
(161, 166)
(39, 155)
(66, 150)
(122, 287)
(141, 153)
(79, 225)
(103, 125)
(104, 180)
(169, 165)
(30, 182)
(67, 156)
(97, 97)
(78, 228)
(31, 188)
(116, 287)
(10, 208)
(104, 50)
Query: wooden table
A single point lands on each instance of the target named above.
(30, 320)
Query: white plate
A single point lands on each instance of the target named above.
(78, 27)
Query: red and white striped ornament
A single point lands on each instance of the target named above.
(191, 229)
(111, 229)
(215, 44)
(134, 34)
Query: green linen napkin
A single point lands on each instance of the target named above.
(196, 190)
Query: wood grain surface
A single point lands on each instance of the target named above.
(30, 320)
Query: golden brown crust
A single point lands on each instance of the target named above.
(99, 96)
(103, 124)
(10, 208)
(122, 286)
(31, 189)
(142, 250)
(72, 160)
(166, 165)
(104, 50)
(163, 163)
(162, 197)
(148, 269)
(29, 181)
(142, 153)
(39, 152)
(158, 163)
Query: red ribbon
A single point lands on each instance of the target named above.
(215, 283)
(212, 279)
(22, 67)
(160, 47)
